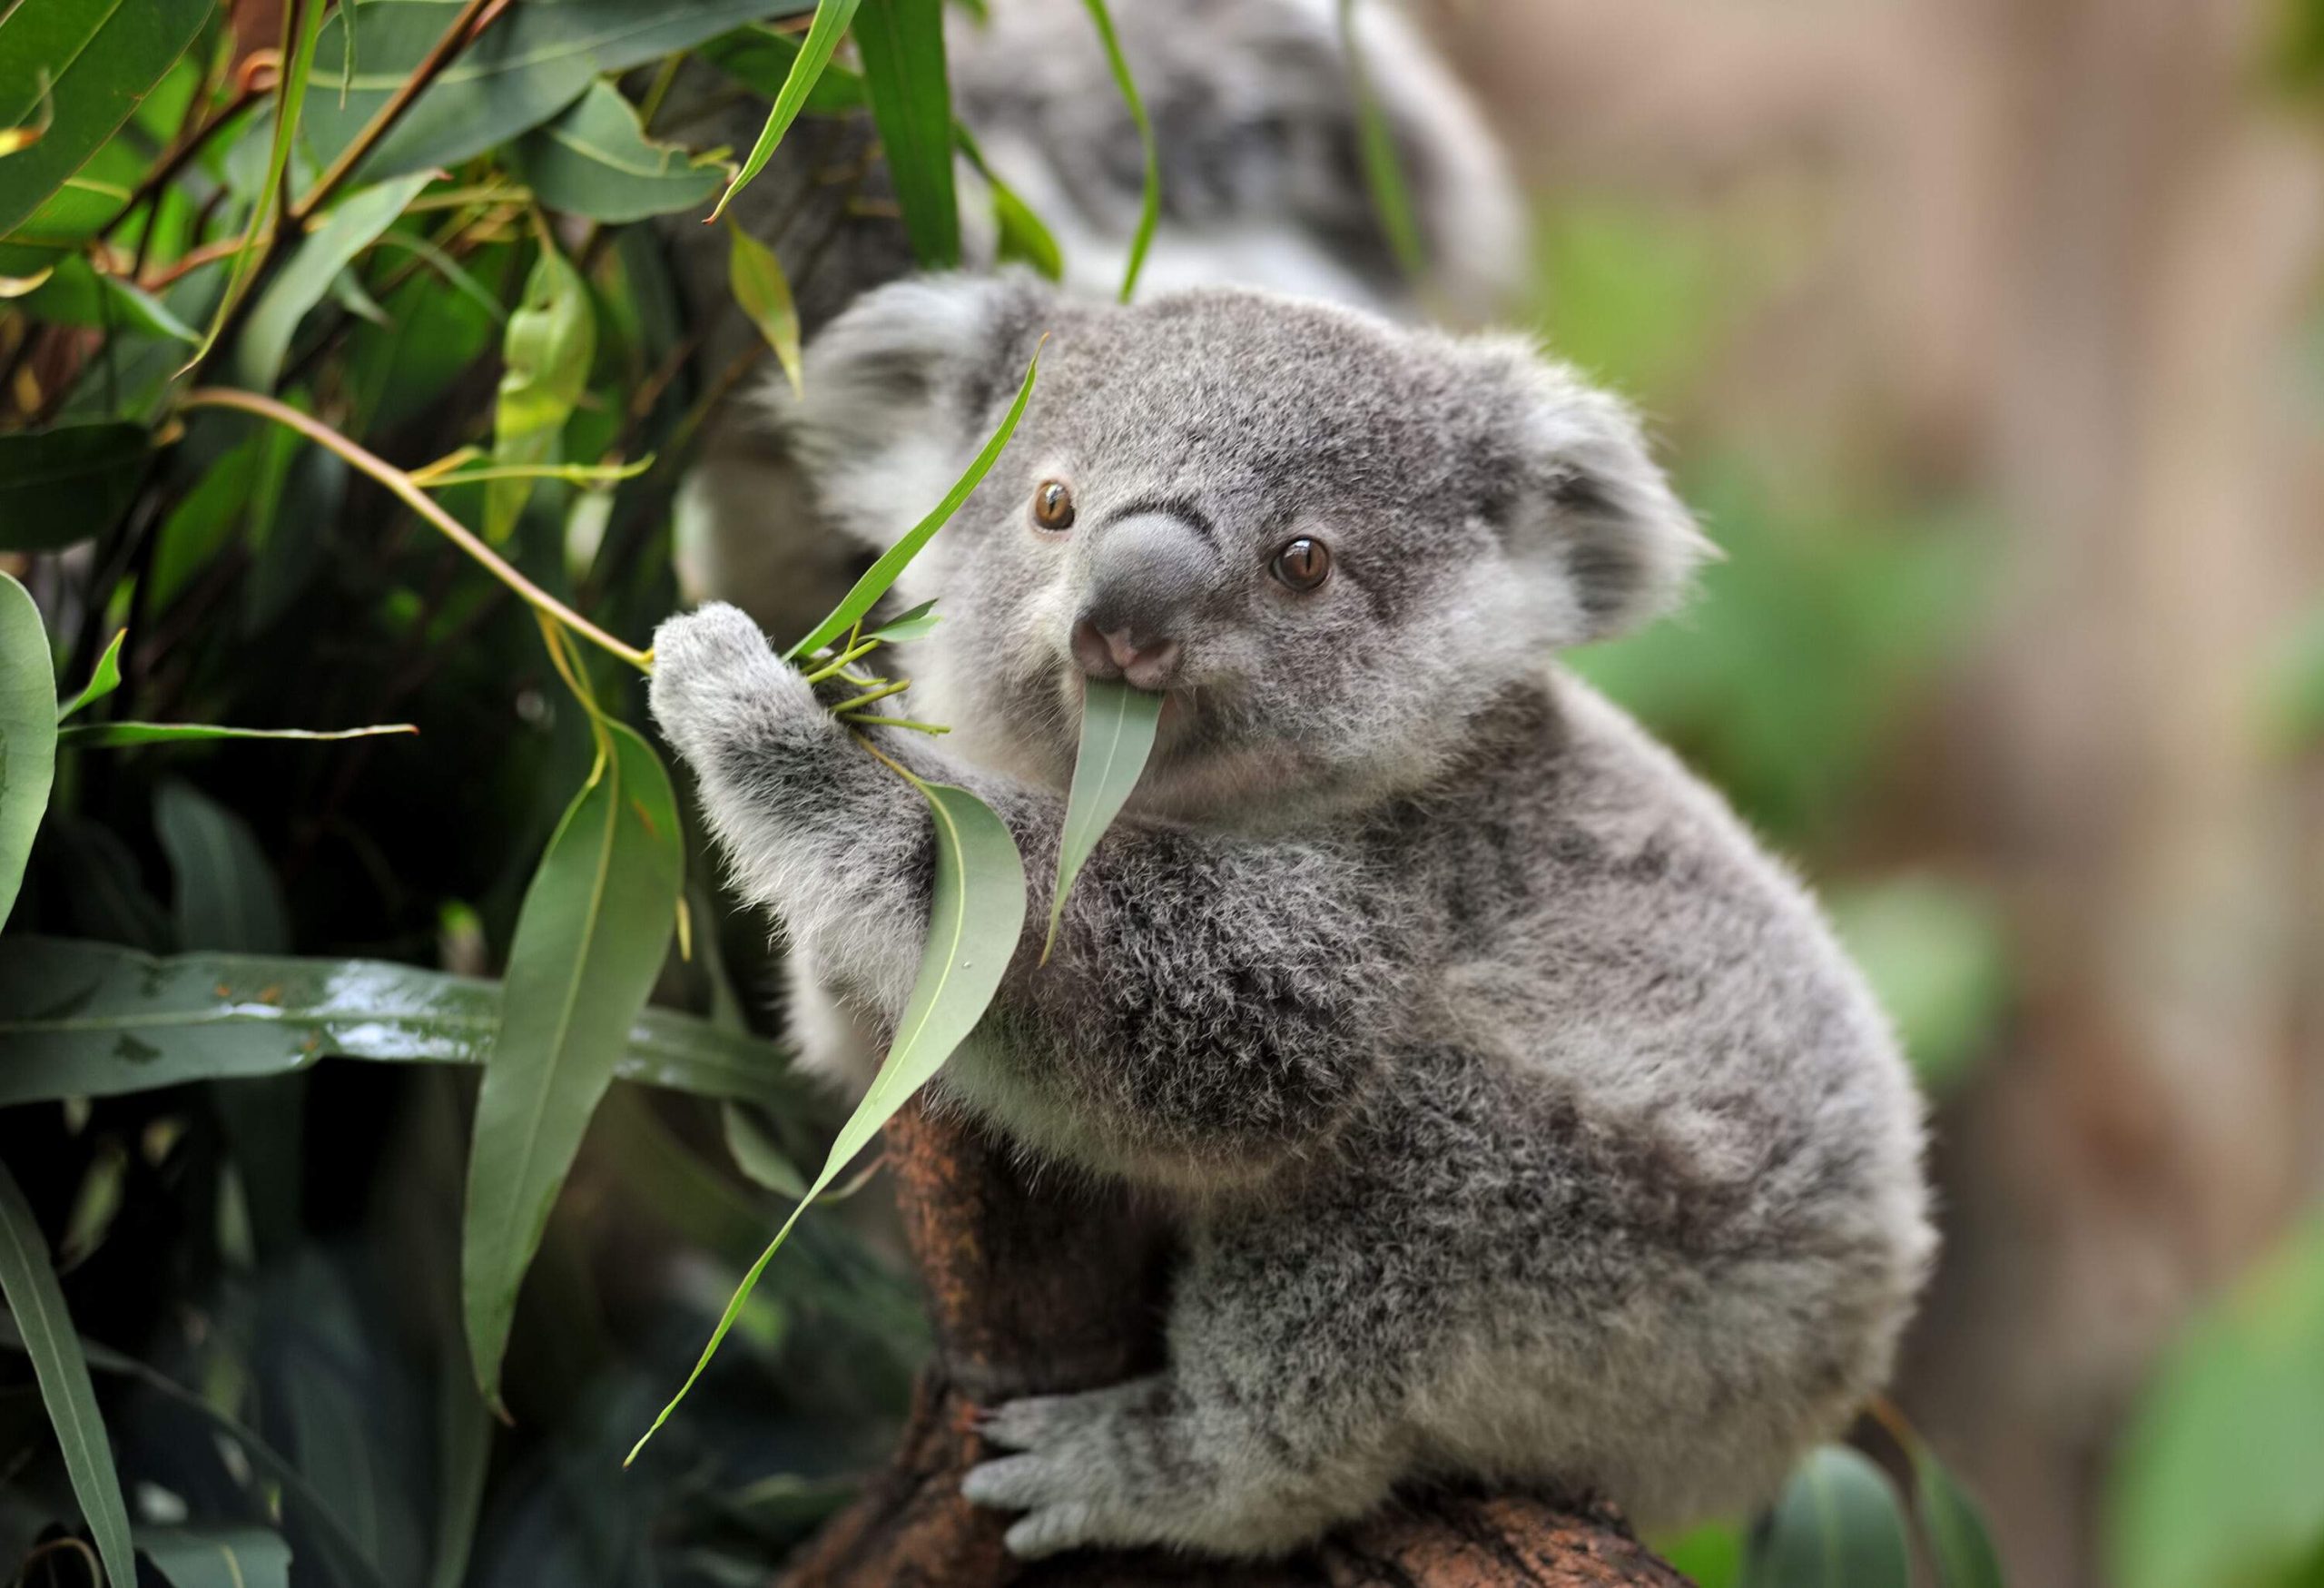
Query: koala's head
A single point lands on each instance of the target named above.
(1332, 540)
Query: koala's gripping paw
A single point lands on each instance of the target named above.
(1069, 1477)
(714, 671)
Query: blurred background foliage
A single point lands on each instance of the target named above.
(1984, 341)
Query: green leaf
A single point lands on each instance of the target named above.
(303, 281)
(975, 913)
(82, 68)
(2215, 1481)
(595, 160)
(1936, 951)
(1958, 1540)
(1708, 1556)
(832, 17)
(595, 925)
(901, 44)
(1836, 1524)
(62, 486)
(95, 1019)
(875, 582)
(103, 680)
(1151, 206)
(1118, 728)
(534, 60)
(547, 347)
(37, 1304)
(1383, 169)
(216, 1557)
(761, 59)
(758, 285)
(226, 895)
(114, 735)
(756, 1155)
(27, 734)
(910, 625)
(77, 293)
(1023, 235)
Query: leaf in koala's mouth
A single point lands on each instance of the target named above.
(1118, 729)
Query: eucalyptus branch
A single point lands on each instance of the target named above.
(418, 501)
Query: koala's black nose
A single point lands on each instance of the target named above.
(1120, 653)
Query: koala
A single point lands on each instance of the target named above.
(1523, 1122)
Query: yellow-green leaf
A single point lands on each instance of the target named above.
(547, 347)
(758, 285)
(103, 680)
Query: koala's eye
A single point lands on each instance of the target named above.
(1303, 564)
(1053, 505)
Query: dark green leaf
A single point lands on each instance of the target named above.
(225, 895)
(756, 1155)
(758, 285)
(27, 734)
(901, 44)
(547, 349)
(1118, 728)
(114, 735)
(77, 293)
(595, 925)
(595, 160)
(307, 277)
(537, 58)
(60, 485)
(1150, 205)
(975, 913)
(103, 680)
(81, 68)
(94, 1019)
(761, 59)
(1955, 1529)
(216, 1557)
(1836, 1524)
(832, 17)
(37, 1305)
(875, 582)
(1383, 169)
(1022, 235)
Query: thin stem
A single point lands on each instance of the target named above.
(842, 660)
(418, 501)
(455, 39)
(898, 722)
(897, 688)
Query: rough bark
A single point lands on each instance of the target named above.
(1038, 1290)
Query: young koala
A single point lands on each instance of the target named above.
(1526, 1124)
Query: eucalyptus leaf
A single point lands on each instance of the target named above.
(901, 45)
(225, 895)
(755, 1153)
(1836, 1524)
(595, 928)
(975, 913)
(875, 581)
(60, 486)
(1023, 236)
(1149, 209)
(756, 279)
(823, 33)
(906, 626)
(27, 734)
(77, 71)
(116, 735)
(77, 293)
(306, 279)
(97, 1019)
(1118, 728)
(1955, 1529)
(216, 1557)
(595, 160)
(761, 59)
(37, 1307)
(547, 349)
(103, 680)
(1384, 170)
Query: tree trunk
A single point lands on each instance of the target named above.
(1050, 1289)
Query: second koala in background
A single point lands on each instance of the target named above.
(1258, 128)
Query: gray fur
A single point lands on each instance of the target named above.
(1524, 1120)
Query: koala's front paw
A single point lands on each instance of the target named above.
(714, 671)
(1070, 1479)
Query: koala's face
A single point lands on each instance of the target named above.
(1330, 541)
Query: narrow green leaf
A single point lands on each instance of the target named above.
(975, 913)
(547, 347)
(758, 285)
(27, 734)
(1836, 1524)
(1149, 209)
(216, 1557)
(62, 486)
(761, 59)
(910, 625)
(595, 928)
(76, 293)
(37, 1304)
(114, 735)
(875, 582)
(831, 18)
(596, 160)
(97, 1019)
(1955, 1529)
(756, 1155)
(1118, 728)
(1023, 235)
(103, 680)
(77, 71)
(901, 45)
(225, 895)
(1384, 168)
(307, 277)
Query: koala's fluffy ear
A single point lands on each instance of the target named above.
(902, 389)
(1594, 501)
